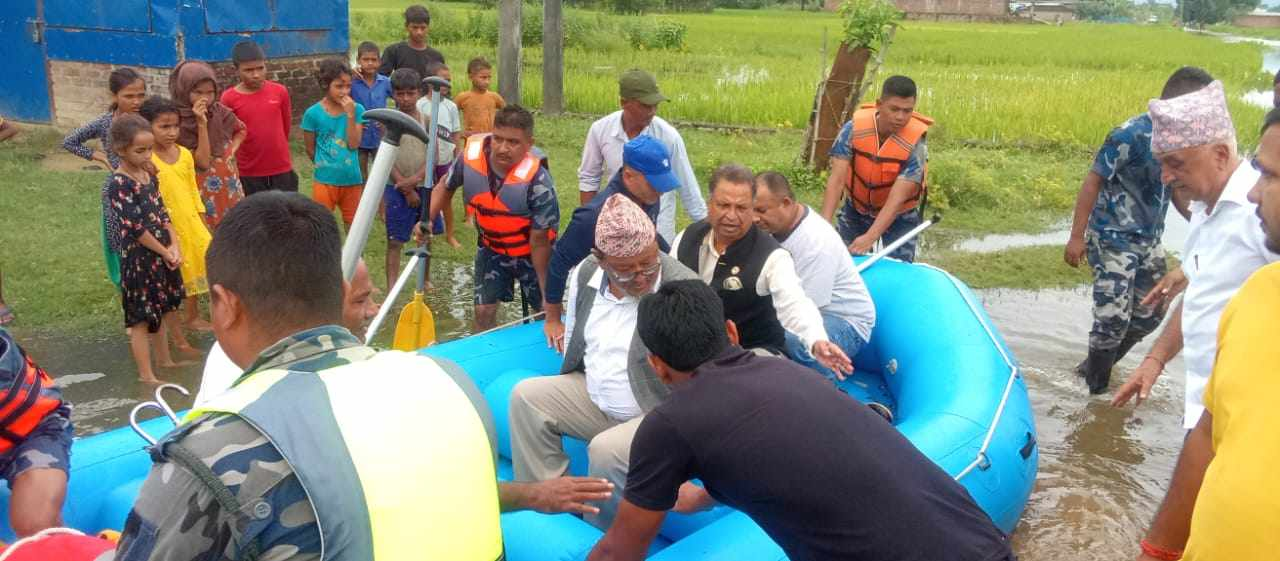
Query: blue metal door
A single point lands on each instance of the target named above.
(24, 91)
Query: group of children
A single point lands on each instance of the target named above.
(179, 163)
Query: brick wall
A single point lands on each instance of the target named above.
(80, 88)
(1255, 20)
(963, 10)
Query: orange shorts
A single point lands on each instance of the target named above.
(347, 198)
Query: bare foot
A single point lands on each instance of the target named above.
(190, 351)
(199, 324)
(454, 242)
(175, 364)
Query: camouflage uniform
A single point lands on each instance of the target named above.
(1124, 237)
(176, 516)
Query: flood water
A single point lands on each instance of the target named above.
(1102, 471)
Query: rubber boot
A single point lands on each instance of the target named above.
(1130, 339)
(1097, 372)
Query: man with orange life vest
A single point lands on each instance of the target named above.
(35, 440)
(511, 191)
(880, 159)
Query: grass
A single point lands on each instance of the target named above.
(1270, 33)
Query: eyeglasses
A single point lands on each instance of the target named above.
(646, 272)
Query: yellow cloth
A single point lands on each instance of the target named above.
(182, 200)
(1237, 512)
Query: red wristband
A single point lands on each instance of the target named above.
(1151, 550)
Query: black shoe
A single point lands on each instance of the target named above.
(1097, 372)
(1080, 368)
(881, 410)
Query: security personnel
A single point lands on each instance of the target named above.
(510, 190)
(880, 160)
(324, 448)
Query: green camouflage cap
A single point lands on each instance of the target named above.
(641, 86)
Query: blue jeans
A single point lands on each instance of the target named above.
(839, 332)
(852, 224)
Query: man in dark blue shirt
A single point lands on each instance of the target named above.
(645, 175)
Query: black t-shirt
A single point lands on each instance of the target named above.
(401, 55)
(824, 475)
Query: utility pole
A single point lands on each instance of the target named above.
(552, 57)
(509, 50)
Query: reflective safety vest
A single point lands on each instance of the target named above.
(390, 451)
(875, 167)
(23, 404)
(503, 216)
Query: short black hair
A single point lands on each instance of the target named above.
(1273, 117)
(281, 254)
(776, 183)
(125, 128)
(898, 86)
(477, 64)
(246, 51)
(156, 106)
(683, 324)
(434, 67)
(406, 79)
(732, 173)
(516, 117)
(1184, 81)
(367, 47)
(330, 69)
(417, 13)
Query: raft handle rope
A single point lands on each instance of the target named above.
(981, 460)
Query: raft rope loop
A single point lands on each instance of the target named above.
(981, 460)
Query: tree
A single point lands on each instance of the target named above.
(1209, 12)
(1104, 9)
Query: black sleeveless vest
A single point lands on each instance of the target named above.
(735, 280)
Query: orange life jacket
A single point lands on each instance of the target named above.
(875, 167)
(503, 216)
(23, 406)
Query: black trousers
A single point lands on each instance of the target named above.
(287, 181)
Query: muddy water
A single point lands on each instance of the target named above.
(1102, 471)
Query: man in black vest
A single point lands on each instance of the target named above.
(754, 276)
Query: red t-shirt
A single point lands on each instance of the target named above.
(267, 114)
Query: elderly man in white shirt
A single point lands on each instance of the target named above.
(606, 384)
(602, 153)
(754, 276)
(822, 262)
(1194, 139)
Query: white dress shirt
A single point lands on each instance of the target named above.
(826, 271)
(219, 374)
(1224, 246)
(608, 334)
(602, 158)
(796, 312)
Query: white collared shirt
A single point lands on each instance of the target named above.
(602, 158)
(609, 331)
(219, 374)
(1223, 248)
(826, 271)
(796, 312)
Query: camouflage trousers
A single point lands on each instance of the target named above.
(1123, 273)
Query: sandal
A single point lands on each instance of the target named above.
(6, 315)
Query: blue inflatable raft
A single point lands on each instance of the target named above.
(934, 359)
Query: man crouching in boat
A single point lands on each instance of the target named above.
(324, 448)
(744, 424)
(35, 441)
(605, 386)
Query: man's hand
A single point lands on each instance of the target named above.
(1074, 253)
(1169, 287)
(829, 355)
(1139, 383)
(567, 494)
(861, 245)
(693, 499)
(553, 328)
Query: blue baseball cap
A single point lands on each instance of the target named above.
(649, 157)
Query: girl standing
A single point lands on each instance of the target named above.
(212, 139)
(150, 284)
(176, 172)
(127, 92)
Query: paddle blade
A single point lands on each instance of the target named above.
(416, 327)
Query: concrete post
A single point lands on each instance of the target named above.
(509, 50)
(552, 57)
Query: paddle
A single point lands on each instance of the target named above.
(416, 327)
(895, 244)
(394, 125)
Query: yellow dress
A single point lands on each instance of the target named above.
(182, 200)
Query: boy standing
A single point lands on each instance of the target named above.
(413, 53)
(407, 191)
(450, 134)
(372, 90)
(478, 104)
(331, 130)
(267, 113)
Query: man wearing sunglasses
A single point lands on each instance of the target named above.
(606, 384)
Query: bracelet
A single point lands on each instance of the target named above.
(1151, 550)
(1158, 361)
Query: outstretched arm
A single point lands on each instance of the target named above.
(1172, 524)
(629, 537)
